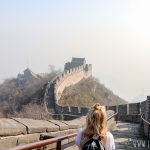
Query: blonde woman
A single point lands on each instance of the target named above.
(96, 129)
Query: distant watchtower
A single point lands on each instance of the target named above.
(75, 62)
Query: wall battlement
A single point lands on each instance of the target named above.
(20, 131)
(133, 112)
(127, 109)
(71, 77)
(73, 73)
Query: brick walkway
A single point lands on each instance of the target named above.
(128, 136)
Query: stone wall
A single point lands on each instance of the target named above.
(70, 77)
(132, 112)
(143, 106)
(55, 88)
(146, 113)
(19, 131)
(127, 112)
(125, 109)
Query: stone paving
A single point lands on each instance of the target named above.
(128, 136)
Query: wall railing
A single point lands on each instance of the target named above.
(147, 123)
(42, 144)
(57, 140)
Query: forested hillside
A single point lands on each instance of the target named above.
(26, 100)
(87, 92)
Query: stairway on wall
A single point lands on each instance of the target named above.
(130, 136)
(49, 98)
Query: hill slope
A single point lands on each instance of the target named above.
(18, 96)
(22, 100)
(88, 92)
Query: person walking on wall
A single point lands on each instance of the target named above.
(95, 135)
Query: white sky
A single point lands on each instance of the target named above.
(114, 36)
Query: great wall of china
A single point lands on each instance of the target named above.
(18, 131)
(73, 73)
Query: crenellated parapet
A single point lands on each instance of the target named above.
(128, 112)
(73, 73)
(135, 112)
(69, 77)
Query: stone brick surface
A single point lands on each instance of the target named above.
(66, 79)
(114, 108)
(37, 126)
(36, 129)
(8, 142)
(73, 124)
(143, 105)
(9, 127)
(58, 133)
(76, 123)
(122, 109)
(62, 126)
(134, 108)
(84, 111)
(28, 138)
(74, 110)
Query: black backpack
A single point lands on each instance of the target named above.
(93, 144)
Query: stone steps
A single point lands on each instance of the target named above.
(129, 136)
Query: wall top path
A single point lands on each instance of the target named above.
(23, 126)
(76, 123)
(62, 126)
(37, 126)
(21, 136)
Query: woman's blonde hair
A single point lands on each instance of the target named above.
(96, 124)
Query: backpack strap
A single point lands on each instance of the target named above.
(99, 143)
(89, 141)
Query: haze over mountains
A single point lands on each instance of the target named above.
(139, 98)
(113, 36)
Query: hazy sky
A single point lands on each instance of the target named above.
(113, 35)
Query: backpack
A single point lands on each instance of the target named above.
(93, 144)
